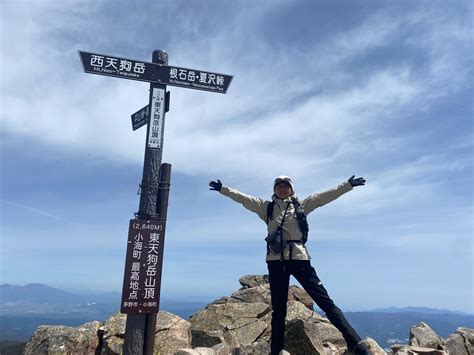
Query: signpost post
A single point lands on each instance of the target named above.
(145, 245)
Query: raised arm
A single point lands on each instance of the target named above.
(320, 199)
(251, 203)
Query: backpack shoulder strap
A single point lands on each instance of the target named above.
(302, 221)
(295, 201)
(270, 207)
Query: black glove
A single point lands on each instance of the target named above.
(356, 182)
(215, 186)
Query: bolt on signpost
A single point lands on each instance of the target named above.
(145, 245)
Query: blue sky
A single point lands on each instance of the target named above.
(321, 90)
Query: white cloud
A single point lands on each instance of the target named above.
(92, 114)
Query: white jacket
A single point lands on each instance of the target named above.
(291, 230)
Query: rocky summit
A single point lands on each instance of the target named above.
(239, 324)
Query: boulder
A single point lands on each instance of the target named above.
(468, 336)
(205, 351)
(248, 281)
(57, 339)
(297, 310)
(196, 351)
(296, 293)
(171, 333)
(306, 336)
(224, 300)
(455, 345)
(206, 338)
(422, 335)
(257, 348)
(461, 342)
(414, 350)
(186, 352)
(255, 288)
(371, 347)
(113, 334)
(301, 338)
(260, 293)
(233, 324)
(330, 348)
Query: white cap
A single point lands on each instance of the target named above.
(283, 178)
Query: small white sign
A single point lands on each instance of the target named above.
(156, 118)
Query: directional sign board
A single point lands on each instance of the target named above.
(132, 69)
(140, 118)
(103, 64)
(194, 79)
(143, 266)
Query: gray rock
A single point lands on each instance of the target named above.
(113, 334)
(296, 293)
(301, 338)
(196, 351)
(297, 310)
(248, 281)
(399, 349)
(455, 345)
(221, 349)
(423, 336)
(255, 288)
(468, 335)
(186, 352)
(257, 348)
(372, 347)
(239, 324)
(172, 333)
(260, 293)
(414, 350)
(461, 342)
(205, 351)
(307, 336)
(206, 338)
(57, 339)
(224, 300)
(330, 348)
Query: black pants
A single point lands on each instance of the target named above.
(279, 274)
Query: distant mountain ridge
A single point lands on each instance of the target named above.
(24, 308)
(424, 310)
(40, 293)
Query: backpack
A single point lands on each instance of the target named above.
(302, 220)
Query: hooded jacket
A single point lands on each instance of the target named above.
(291, 230)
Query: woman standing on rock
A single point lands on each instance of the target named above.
(287, 254)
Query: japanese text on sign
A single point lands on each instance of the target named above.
(142, 280)
(110, 65)
(102, 64)
(198, 79)
(155, 127)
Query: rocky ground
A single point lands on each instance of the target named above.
(239, 324)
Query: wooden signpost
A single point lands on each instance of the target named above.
(146, 236)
